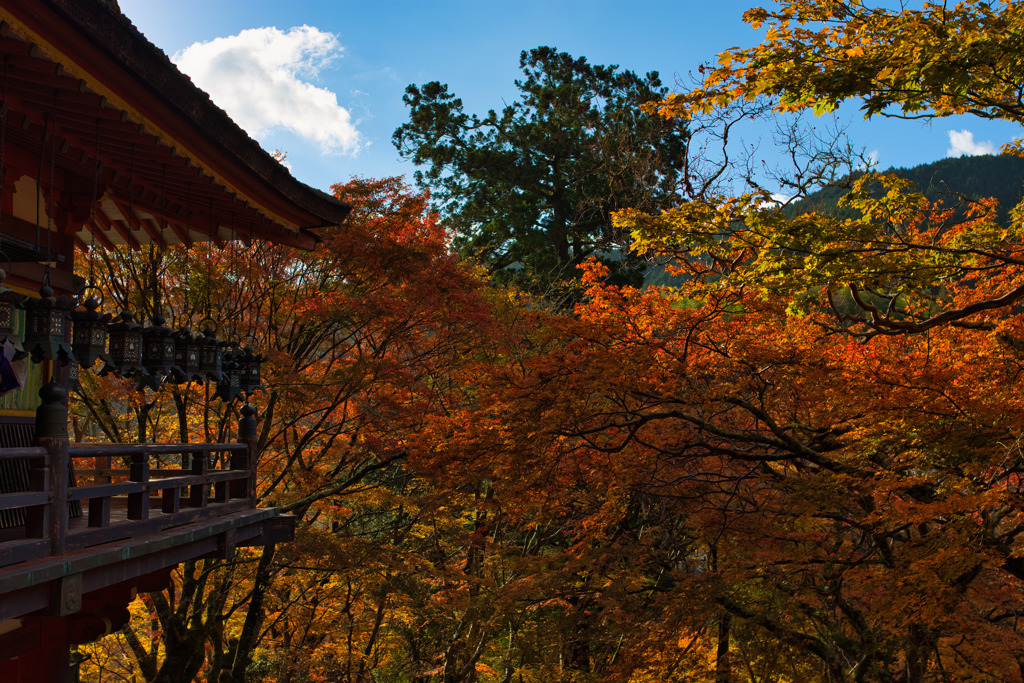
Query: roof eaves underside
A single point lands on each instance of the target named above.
(111, 79)
(63, 135)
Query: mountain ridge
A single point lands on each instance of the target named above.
(974, 177)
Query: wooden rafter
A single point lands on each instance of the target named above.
(97, 232)
(119, 227)
(151, 228)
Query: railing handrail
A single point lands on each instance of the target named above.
(22, 452)
(207, 487)
(89, 450)
(125, 487)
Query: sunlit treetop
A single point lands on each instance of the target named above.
(890, 262)
(938, 60)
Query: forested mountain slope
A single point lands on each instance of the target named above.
(976, 177)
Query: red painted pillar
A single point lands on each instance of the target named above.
(48, 662)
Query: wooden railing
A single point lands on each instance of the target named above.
(125, 491)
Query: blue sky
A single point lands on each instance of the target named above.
(330, 94)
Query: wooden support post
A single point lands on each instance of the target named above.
(186, 465)
(138, 503)
(37, 517)
(198, 494)
(240, 487)
(52, 434)
(221, 492)
(249, 435)
(226, 545)
(103, 469)
(99, 511)
(49, 661)
(171, 501)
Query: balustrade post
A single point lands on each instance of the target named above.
(199, 494)
(249, 435)
(52, 434)
(138, 471)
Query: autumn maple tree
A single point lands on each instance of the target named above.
(838, 424)
(359, 335)
(832, 510)
(801, 463)
(881, 268)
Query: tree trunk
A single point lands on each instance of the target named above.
(253, 617)
(723, 667)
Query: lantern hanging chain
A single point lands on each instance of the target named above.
(52, 204)
(3, 149)
(131, 199)
(131, 187)
(186, 240)
(131, 184)
(163, 214)
(236, 250)
(39, 181)
(184, 237)
(92, 205)
(234, 246)
(209, 260)
(188, 209)
(164, 245)
(249, 255)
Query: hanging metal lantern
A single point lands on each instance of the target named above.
(230, 388)
(188, 350)
(249, 370)
(157, 353)
(89, 334)
(10, 301)
(125, 346)
(211, 356)
(46, 327)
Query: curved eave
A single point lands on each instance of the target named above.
(110, 57)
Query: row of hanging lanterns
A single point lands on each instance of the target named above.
(149, 355)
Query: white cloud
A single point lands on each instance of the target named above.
(260, 78)
(776, 200)
(961, 143)
(868, 161)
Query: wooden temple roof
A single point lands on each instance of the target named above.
(86, 95)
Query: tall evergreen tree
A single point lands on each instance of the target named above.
(535, 183)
